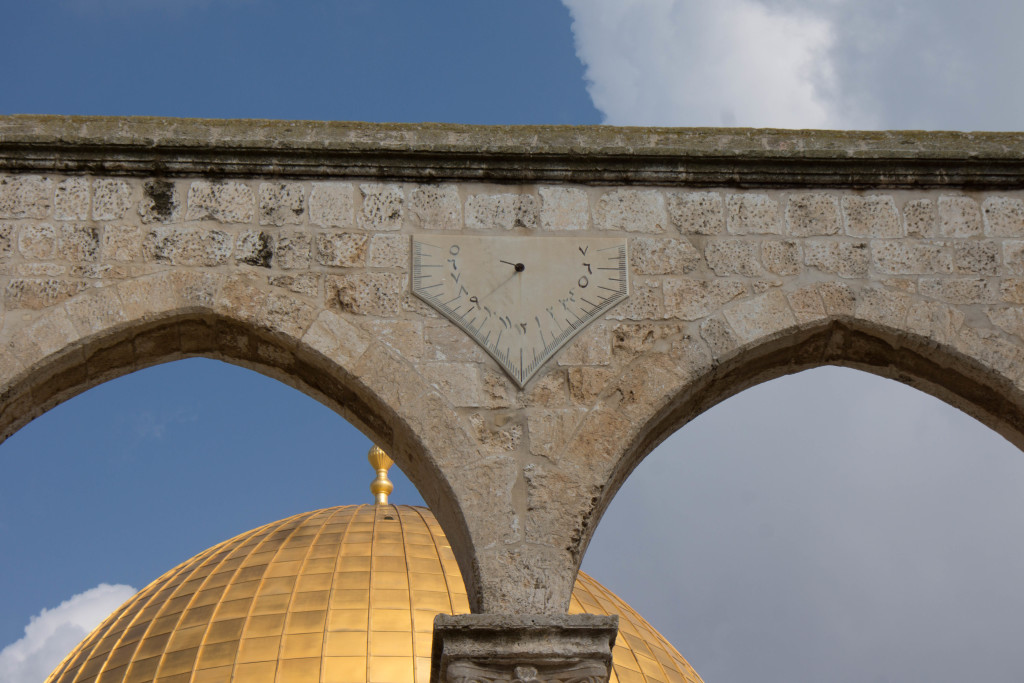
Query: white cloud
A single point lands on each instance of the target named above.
(52, 634)
(730, 62)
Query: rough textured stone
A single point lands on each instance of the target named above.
(344, 249)
(845, 259)
(436, 207)
(549, 430)
(1004, 216)
(111, 199)
(632, 211)
(404, 336)
(910, 257)
(697, 213)
(71, 200)
(1013, 256)
(806, 304)
(7, 232)
(977, 257)
(459, 382)
(332, 205)
(25, 196)
(934, 320)
(960, 290)
(871, 216)
(919, 218)
(501, 211)
(564, 208)
(388, 251)
(753, 214)
(883, 307)
(692, 299)
(733, 257)
(592, 347)
(160, 202)
(282, 203)
(644, 302)
(586, 384)
(187, 246)
(959, 216)
(719, 336)
(494, 437)
(365, 293)
(121, 242)
(293, 250)
(383, 206)
(78, 243)
(37, 293)
(813, 214)
(658, 256)
(782, 257)
(255, 248)
(760, 316)
(226, 202)
(307, 284)
(37, 241)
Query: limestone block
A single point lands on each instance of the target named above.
(657, 256)
(962, 290)
(845, 259)
(404, 336)
(436, 207)
(95, 310)
(691, 299)
(806, 304)
(587, 383)
(990, 348)
(692, 356)
(307, 284)
(1004, 216)
(838, 298)
(977, 257)
(226, 202)
(697, 213)
(1013, 256)
(333, 336)
(638, 338)
(341, 249)
(47, 335)
(372, 293)
(763, 315)
(549, 429)
(549, 391)
(71, 200)
(911, 257)
(111, 199)
(494, 438)
(121, 242)
(37, 241)
(159, 202)
(919, 218)
(388, 251)
(813, 214)
(782, 257)
(293, 250)
(254, 248)
(648, 382)
(501, 211)
(282, 203)
(719, 336)
(871, 216)
(883, 307)
(564, 208)
(762, 286)
(7, 233)
(25, 196)
(753, 214)
(1009, 319)
(78, 243)
(934, 320)
(383, 206)
(644, 302)
(98, 271)
(958, 216)
(332, 205)
(632, 211)
(593, 346)
(168, 291)
(286, 314)
(458, 382)
(38, 293)
(445, 341)
(41, 269)
(1011, 290)
(187, 246)
(733, 257)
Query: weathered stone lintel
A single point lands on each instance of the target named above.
(514, 648)
(139, 146)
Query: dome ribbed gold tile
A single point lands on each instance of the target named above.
(342, 595)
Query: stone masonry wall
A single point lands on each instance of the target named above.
(924, 285)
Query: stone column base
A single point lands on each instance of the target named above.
(497, 648)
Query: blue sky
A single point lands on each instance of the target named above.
(810, 554)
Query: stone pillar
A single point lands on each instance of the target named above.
(500, 648)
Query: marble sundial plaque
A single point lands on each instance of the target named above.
(521, 298)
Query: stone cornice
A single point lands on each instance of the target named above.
(723, 157)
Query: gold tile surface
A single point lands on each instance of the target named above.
(333, 596)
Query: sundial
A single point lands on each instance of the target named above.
(521, 298)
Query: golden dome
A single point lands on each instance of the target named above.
(341, 595)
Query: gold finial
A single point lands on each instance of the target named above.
(381, 486)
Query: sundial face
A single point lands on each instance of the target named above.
(520, 298)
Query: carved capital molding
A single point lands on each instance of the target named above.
(489, 648)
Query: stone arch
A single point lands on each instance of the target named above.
(107, 332)
(926, 345)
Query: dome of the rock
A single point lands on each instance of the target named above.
(342, 595)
